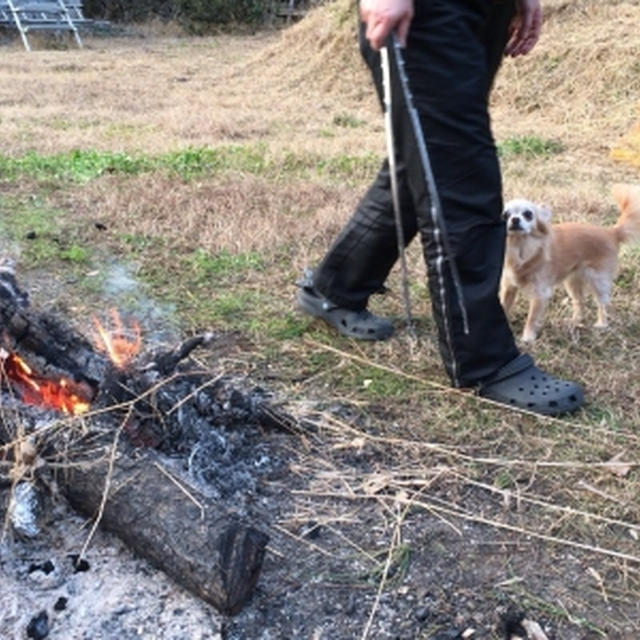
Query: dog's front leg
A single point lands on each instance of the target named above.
(508, 293)
(534, 319)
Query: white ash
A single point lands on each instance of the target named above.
(120, 596)
(25, 509)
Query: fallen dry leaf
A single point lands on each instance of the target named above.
(617, 467)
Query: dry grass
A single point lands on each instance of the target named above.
(580, 87)
(239, 214)
(304, 91)
(167, 93)
(123, 95)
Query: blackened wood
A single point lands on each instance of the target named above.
(53, 345)
(10, 291)
(165, 363)
(201, 546)
(49, 345)
(207, 551)
(5, 435)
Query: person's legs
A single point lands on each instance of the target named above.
(358, 263)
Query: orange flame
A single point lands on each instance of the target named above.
(119, 345)
(63, 394)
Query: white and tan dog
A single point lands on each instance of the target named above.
(540, 256)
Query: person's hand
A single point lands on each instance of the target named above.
(525, 27)
(383, 16)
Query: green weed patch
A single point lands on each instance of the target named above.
(41, 232)
(530, 147)
(81, 166)
(224, 263)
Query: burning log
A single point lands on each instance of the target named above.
(54, 347)
(197, 541)
(194, 541)
(37, 341)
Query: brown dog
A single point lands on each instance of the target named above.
(540, 256)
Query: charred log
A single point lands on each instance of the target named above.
(199, 545)
(50, 346)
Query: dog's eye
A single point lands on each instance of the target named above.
(505, 214)
(527, 215)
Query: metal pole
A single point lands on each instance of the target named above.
(393, 172)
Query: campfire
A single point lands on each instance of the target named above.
(62, 394)
(120, 345)
(196, 443)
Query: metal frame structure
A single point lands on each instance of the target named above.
(42, 15)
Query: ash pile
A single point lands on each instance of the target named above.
(214, 430)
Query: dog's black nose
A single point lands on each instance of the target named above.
(515, 224)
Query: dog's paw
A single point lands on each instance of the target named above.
(528, 336)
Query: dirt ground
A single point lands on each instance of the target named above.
(428, 517)
(362, 565)
(353, 552)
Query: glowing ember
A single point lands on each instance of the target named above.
(121, 346)
(62, 394)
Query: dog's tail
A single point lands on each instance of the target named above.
(627, 229)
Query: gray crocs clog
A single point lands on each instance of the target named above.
(523, 385)
(362, 325)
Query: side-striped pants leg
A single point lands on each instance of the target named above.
(453, 52)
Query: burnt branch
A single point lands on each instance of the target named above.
(165, 364)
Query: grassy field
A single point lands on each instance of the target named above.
(190, 181)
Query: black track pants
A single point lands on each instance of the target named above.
(453, 52)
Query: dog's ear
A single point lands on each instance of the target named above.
(544, 213)
(543, 219)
